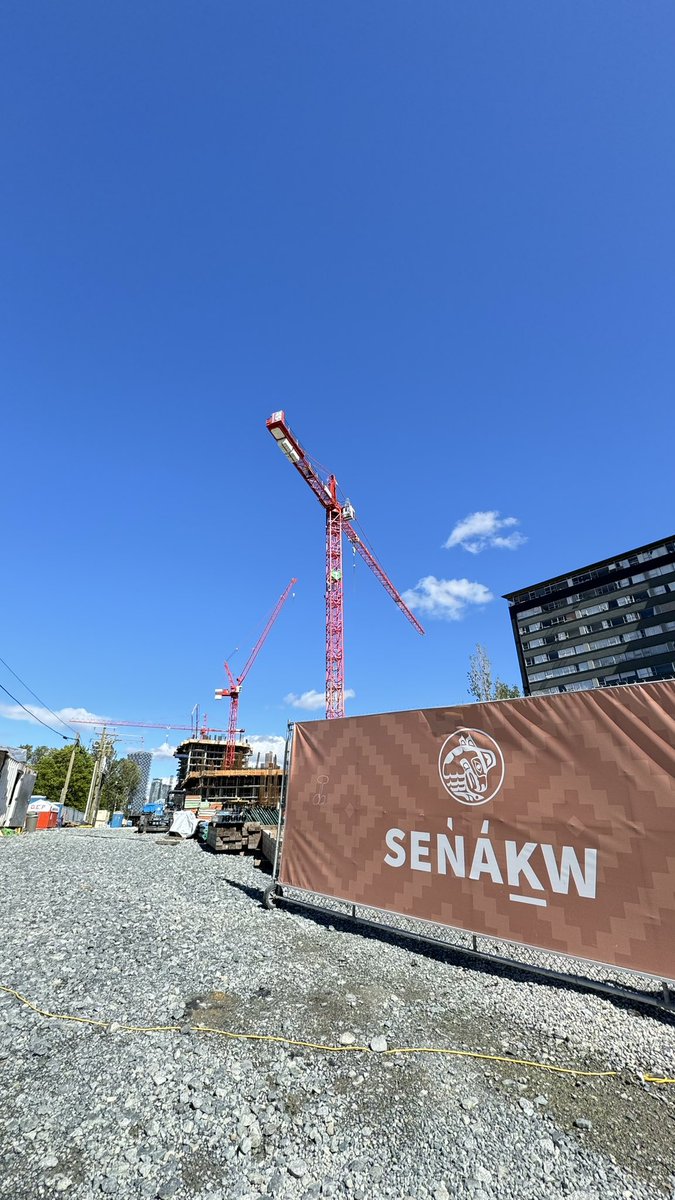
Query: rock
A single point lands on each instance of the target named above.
(276, 1184)
(583, 1123)
(468, 1103)
(440, 1192)
(168, 1188)
(526, 1106)
(297, 1168)
(378, 1044)
(347, 1039)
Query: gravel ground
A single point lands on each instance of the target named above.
(129, 929)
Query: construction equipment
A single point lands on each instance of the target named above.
(339, 518)
(157, 815)
(232, 692)
(154, 819)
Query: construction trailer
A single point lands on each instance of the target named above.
(17, 779)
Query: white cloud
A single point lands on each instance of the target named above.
(312, 701)
(481, 530)
(163, 751)
(263, 744)
(72, 716)
(446, 599)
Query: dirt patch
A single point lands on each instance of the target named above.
(215, 1009)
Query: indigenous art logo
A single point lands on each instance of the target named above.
(471, 766)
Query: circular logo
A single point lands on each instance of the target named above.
(471, 766)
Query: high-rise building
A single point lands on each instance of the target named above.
(143, 760)
(159, 790)
(611, 622)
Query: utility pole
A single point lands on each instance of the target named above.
(100, 762)
(90, 794)
(64, 789)
(94, 796)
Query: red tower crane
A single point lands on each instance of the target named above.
(338, 520)
(235, 684)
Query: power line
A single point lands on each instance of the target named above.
(35, 716)
(36, 697)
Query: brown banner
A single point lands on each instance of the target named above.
(548, 821)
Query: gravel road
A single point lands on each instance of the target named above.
(130, 930)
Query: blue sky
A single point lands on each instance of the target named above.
(439, 235)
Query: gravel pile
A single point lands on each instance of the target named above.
(132, 930)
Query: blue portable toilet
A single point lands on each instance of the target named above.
(117, 820)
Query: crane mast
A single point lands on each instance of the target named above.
(338, 520)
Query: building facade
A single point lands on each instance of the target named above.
(143, 760)
(608, 623)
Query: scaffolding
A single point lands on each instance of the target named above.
(202, 773)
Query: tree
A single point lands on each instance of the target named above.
(121, 778)
(52, 766)
(481, 684)
(479, 674)
(506, 691)
(35, 754)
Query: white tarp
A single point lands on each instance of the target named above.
(184, 823)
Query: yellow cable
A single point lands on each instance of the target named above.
(287, 1041)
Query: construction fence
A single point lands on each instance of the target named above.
(541, 830)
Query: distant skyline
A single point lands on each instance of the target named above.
(440, 237)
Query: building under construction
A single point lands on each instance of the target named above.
(203, 776)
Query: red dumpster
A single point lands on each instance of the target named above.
(47, 814)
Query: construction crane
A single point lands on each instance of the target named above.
(339, 519)
(232, 692)
(143, 725)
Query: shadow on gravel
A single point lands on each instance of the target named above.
(461, 957)
(253, 893)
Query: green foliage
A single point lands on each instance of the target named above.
(52, 766)
(506, 691)
(121, 777)
(481, 684)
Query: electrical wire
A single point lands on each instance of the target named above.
(36, 697)
(552, 1068)
(35, 717)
